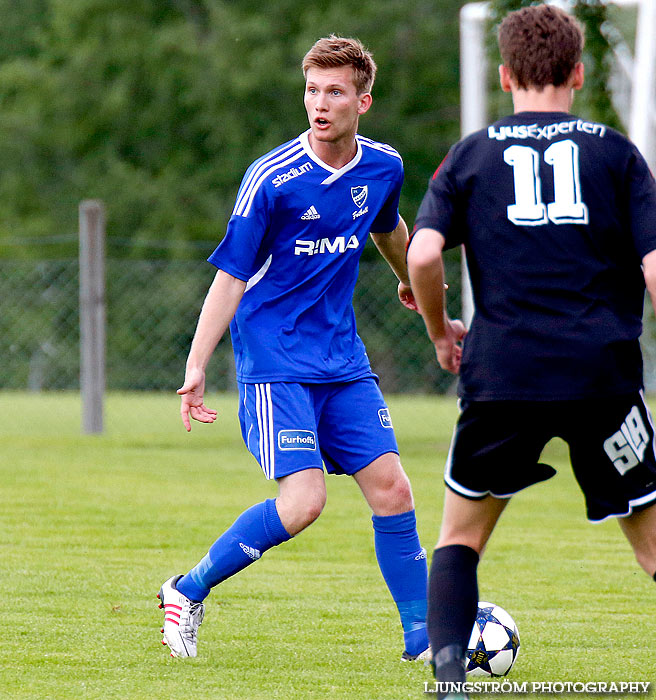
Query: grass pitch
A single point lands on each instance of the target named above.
(91, 526)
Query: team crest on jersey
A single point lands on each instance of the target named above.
(359, 195)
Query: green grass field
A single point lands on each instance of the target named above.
(91, 526)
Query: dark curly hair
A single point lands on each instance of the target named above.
(540, 45)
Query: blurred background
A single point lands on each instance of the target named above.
(157, 107)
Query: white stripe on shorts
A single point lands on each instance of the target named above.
(264, 409)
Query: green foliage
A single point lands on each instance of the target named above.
(19, 27)
(594, 100)
(596, 56)
(158, 107)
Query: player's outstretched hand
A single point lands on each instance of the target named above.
(191, 393)
(406, 297)
(449, 348)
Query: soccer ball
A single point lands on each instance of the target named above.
(494, 642)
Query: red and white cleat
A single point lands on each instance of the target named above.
(182, 618)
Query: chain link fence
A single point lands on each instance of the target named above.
(152, 308)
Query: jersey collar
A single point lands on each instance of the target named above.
(334, 174)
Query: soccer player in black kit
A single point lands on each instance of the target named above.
(557, 215)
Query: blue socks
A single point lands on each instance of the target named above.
(400, 556)
(402, 561)
(257, 529)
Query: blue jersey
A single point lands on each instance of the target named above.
(556, 214)
(295, 236)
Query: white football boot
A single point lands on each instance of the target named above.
(425, 656)
(182, 618)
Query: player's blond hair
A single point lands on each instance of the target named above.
(540, 45)
(335, 51)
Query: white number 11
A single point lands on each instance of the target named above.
(528, 209)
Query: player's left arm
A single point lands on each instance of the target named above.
(649, 271)
(392, 247)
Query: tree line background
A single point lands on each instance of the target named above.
(158, 106)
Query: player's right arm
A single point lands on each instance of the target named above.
(426, 269)
(218, 309)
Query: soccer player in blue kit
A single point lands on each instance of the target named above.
(558, 219)
(287, 268)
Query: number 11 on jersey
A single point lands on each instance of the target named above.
(528, 209)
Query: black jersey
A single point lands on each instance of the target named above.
(555, 214)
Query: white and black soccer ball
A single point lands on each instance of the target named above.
(494, 642)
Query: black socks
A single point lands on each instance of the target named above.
(452, 607)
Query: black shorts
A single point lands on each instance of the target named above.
(497, 445)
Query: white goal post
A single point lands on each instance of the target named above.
(637, 69)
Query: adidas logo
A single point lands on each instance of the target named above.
(311, 214)
(251, 551)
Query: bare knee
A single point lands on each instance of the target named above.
(312, 506)
(469, 522)
(640, 530)
(647, 561)
(296, 515)
(399, 495)
(470, 533)
(645, 553)
(300, 505)
(386, 487)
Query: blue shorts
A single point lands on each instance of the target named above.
(291, 427)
